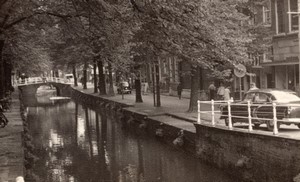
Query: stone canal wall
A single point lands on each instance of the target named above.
(156, 126)
(256, 157)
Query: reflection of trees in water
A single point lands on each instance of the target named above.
(101, 143)
(108, 152)
(88, 130)
(49, 128)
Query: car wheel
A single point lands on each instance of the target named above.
(256, 125)
(270, 125)
(227, 122)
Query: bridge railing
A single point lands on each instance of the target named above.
(32, 80)
(249, 116)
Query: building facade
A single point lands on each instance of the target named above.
(276, 68)
(282, 70)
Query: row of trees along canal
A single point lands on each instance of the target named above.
(37, 36)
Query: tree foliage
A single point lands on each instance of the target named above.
(216, 35)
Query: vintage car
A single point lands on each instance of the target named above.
(287, 108)
(124, 87)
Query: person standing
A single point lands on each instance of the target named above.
(227, 94)
(146, 88)
(253, 86)
(220, 92)
(82, 80)
(179, 90)
(212, 90)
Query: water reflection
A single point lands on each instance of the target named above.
(77, 144)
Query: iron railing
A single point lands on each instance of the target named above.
(229, 105)
(32, 80)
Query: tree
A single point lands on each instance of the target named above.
(11, 13)
(207, 34)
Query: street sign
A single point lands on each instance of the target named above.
(240, 70)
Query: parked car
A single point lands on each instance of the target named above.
(124, 87)
(69, 78)
(287, 108)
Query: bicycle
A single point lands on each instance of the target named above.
(5, 104)
(3, 119)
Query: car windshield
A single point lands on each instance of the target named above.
(285, 96)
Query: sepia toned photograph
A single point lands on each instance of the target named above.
(149, 91)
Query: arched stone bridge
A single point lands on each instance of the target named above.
(62, 89)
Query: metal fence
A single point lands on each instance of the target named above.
(230, 103)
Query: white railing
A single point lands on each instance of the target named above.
(31, 80)
(229, 105)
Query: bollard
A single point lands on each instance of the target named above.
(213, 112)
(275, 130)
(198, 118)
(249, 116)
(229, 116)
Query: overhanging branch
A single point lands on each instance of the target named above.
(5, 27)
(16, 22)
(135, 6)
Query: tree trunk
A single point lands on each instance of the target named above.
(102, 89)
(85, 75)
(75, 75)
(7, 72)
(138, 93)
(153, 85)
(195, 77)
(2, 80)
(111, 84)
(95, 75)
(157, 85)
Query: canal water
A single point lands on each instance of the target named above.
(74, 143)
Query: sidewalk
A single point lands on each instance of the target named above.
(170, 105)
(11, 150)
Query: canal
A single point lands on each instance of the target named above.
(73, 143)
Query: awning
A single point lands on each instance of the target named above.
(280, 63)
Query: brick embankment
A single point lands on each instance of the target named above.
(11, 149)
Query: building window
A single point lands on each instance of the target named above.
(267, 13)
(293, 18)
(267, 56)
(279, 9)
